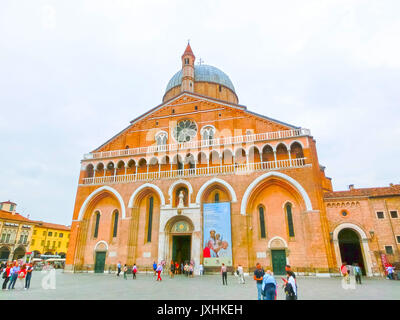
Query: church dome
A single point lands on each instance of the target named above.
(203, 73)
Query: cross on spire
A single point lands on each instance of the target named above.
(201, 61)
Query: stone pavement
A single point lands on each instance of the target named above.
(208, 287)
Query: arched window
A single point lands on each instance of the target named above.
(262, 222)
(289, 215)
(216, 197)
(97, 223)
(150, 219)
(115, 222)
(208, 133)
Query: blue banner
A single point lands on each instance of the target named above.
(217, 245)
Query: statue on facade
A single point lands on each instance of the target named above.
(181, 203)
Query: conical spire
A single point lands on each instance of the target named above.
(188, 51)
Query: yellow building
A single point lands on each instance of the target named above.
(49, 239)
(15, 232)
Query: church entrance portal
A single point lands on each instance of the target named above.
(181, 245)
(350, 249)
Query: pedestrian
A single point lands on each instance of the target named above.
(159, 269)
(28, 276)
(134, 270)
(258, 277)
(201, 269)
(290, 286)
(186, 269)
(21, 277)
(224, 274)
(125, 271)
(172, 269)
(357, 273)
(289, 268)
(345, 272)
(118, 268)
(155, 268)
(240, 274)
(6, 276)
(14, 275)
(191, 269)
(182, 268)
(390, 271)
(269, 286)
(176, 267)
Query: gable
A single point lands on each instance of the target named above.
(228, 119)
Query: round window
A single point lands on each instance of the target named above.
(344, 213)
(185, 131)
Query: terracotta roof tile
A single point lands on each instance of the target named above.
(17, 217)
(393, 190)
(49, 225)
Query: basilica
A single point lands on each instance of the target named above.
(202, 178)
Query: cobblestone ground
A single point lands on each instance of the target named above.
(208, 287)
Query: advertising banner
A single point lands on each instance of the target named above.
(217, 245)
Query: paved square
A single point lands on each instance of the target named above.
(208, 287)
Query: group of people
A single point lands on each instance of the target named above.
(176, 268)
(349, 271)
(125, 270)
(267, 287)
(16, 272)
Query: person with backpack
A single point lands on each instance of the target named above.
(290, 287)
(134, 270)
(118, 268)
(269, 286)
(13, 275)
(6, 276)
(345, 272)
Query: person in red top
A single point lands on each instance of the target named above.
(6, 276)
(21, 277)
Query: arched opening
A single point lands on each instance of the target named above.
(181, 196)
(100, 257)
(179, 236)
(99, 169)
(227, 157)
(121, 167)
(267, 153)
(131, 168)
(282, 152)
(189, 161)
(240, 156)
(110, 169)
(142, 166)
(114, 224)
(89, 171)
(4, 253)
(214, 159)
(19, 253)
(254, 155)
(153, 165)
(350, 248)
(202, 160)
(165, 164)
(296, 151)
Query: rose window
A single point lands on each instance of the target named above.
(185, 131)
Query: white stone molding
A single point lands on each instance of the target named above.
(277, 238)
(281, 175)
(96, 192)
(180, 181)
(210, 182)
(363, 244)
(142, 187)
(99, 242)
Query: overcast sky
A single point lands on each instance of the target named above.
(74, 73)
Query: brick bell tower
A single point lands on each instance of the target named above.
(188, 70)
